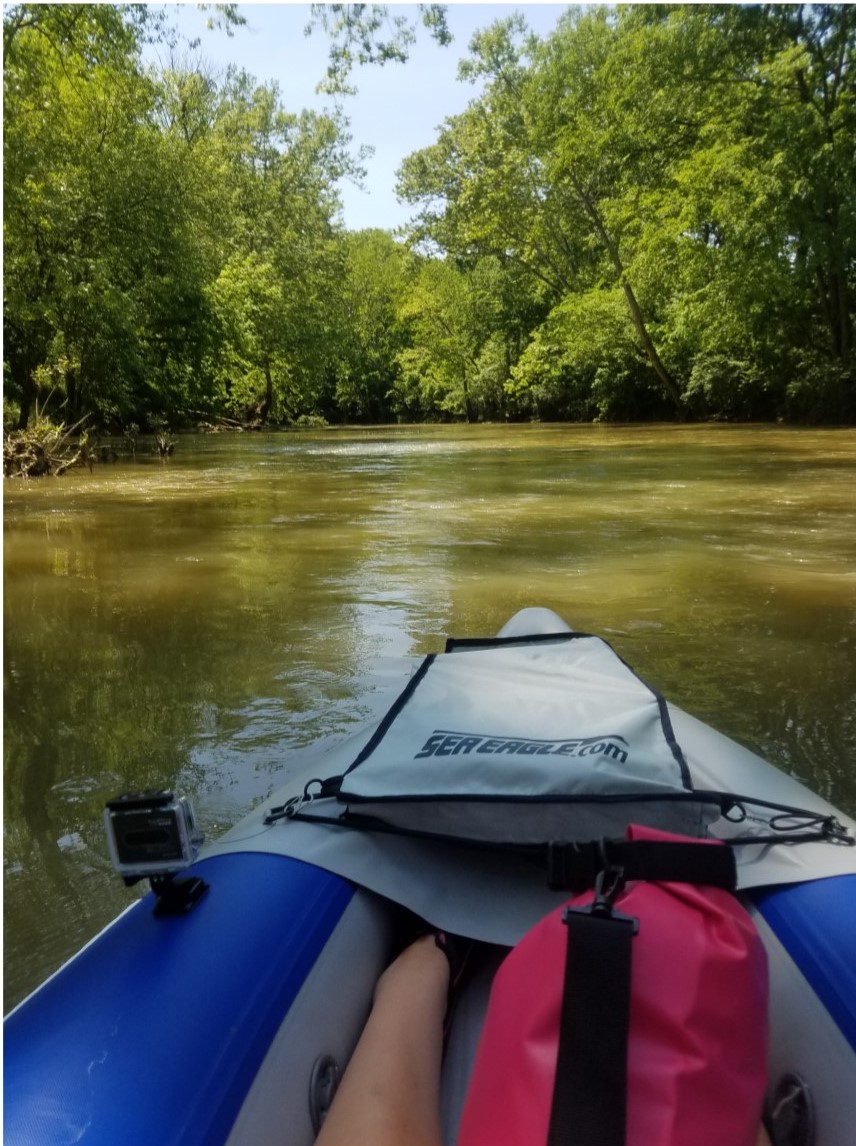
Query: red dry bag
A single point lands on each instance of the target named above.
(694, 1057)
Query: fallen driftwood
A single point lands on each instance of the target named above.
(46, 449)
(164, 445)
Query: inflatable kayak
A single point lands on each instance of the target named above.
(227, 1018)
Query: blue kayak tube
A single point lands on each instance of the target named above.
(155, 1032)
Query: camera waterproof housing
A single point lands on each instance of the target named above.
(151, 833)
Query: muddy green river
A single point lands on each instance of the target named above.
(195, 622)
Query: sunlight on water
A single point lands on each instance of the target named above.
(196, 622)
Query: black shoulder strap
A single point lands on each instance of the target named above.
(590, 1092)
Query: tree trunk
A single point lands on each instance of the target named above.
(267, 403)
(28, 396)
(28, 393)
(831, 274)
(668, 383)
(72, 397)
(468, 406)
(840, 321)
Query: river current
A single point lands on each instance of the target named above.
(194, 622)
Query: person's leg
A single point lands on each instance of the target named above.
(390, 1092)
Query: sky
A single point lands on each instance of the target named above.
(398, 107)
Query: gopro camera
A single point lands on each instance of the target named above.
(151, 833)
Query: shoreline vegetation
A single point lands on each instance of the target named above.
(47, 448)
(648, 215)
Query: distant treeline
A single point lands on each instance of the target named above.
(648, 214)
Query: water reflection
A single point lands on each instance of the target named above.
(198, 622)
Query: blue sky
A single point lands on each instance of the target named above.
(398, 107)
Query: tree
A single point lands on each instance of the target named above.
(167, 233)
(128, 194)
(73, 98)
(456, 361)
(278, 172)
(542, 165)
(376, 273)
(481, 188)
(370, 34)
(583, 363)
(104, 270)
(694, 158)
(755, 233)
(650, 213)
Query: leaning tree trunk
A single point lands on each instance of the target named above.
(668, 383)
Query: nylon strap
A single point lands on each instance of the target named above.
(590, 1092)
(576, 865)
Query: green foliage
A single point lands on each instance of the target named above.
(459, 350)
(74, 142)
(650, 213)
(370, 34)
(817, 391)
(138, 209)
(736, 388)
(376, 274)
(582, 363)
(692, 160)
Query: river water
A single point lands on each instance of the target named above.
(193, 622)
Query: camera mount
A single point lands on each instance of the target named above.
(176, 896)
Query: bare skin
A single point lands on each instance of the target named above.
(389, 1095)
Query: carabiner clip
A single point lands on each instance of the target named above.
(607, 885)
(834, 831)
(296, 804)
